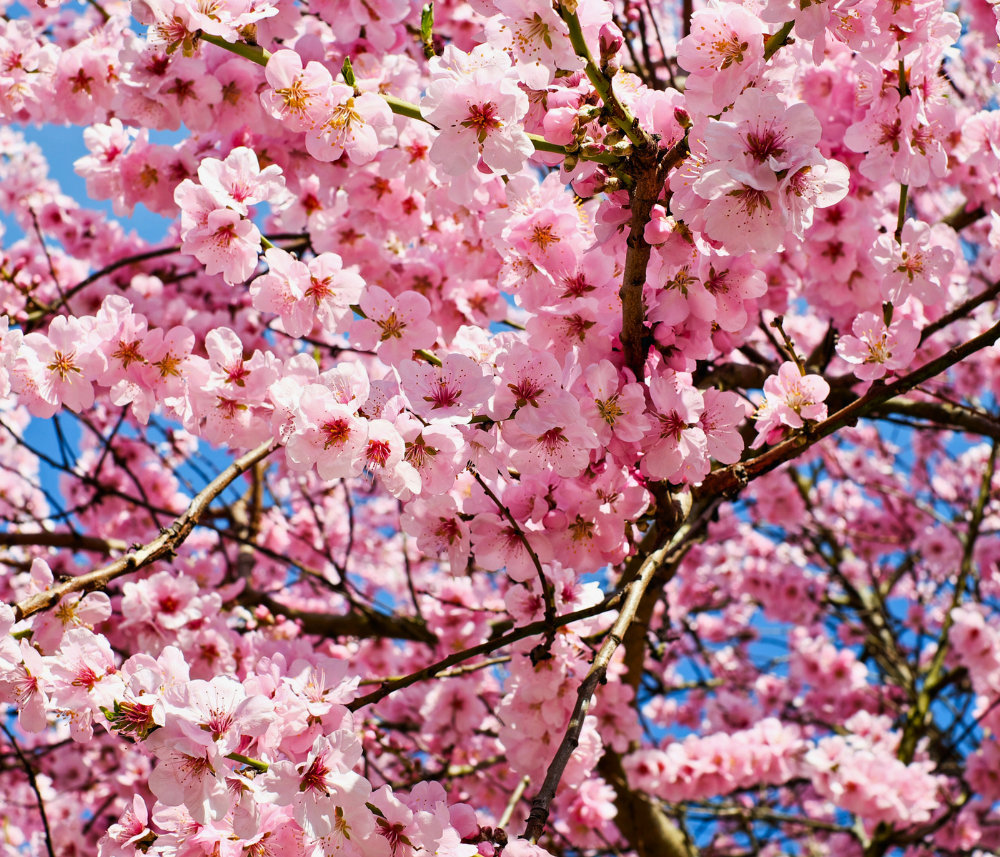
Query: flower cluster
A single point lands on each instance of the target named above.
(571, 419)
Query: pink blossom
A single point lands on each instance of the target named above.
(724, 53)
(219, 714)
(185, 776)
(455, 389)
(378, 19)
(479, 114)
(10, 344)
(498, 545)
(790, 399)
(734, 283)
(809, 184)
(396, 326)
(677, 444)
(58, 368)
(876, 349)
(350, 125)
(744, 210)
(723, 413)
(438, 527)
(226, 244)
(538, 37)
(126, 834)
(612, 410)
(316, 787)
(384, 456)
(901, 138)
(298, 95)
(192, 92)
(23, 683)
(435, 452)
(914, 267)
(532, 380)
(554, 436)
(238, 181)
(327, 434)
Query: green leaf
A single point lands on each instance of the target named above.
(348, 72)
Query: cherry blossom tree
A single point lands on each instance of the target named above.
(547, 427)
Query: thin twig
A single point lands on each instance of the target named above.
(547, 592)
(598, 672)
(75, 541)
(457, 671)
(540, 627)
(515, 798)
(48, 258)
(34, 787)
(960, 311)
(163, 546)
(732, 478)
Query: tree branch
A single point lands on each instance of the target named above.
(599, 668)
(76, 541)
(649, 168)
(961, 311)
(963, 216)
(33, 782)
(732, 478)
(491, 645)
(547, 592)
(943, 414)
(163, 546)
(366, 623)
(260, 55)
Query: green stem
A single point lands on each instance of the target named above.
(412, 111)
(404, 108)
(431, 358)
(260, 56)
(254, 53)
(103, 12)
(543, 145)
(901, 217)
(246, 760)
(602, 83)
(777, 41)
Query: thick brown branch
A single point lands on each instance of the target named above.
(963, 216)
(672, 536)
(76, 541)
(641, 821)
(943, 414)
(490, 645)
(648, 185)
(961, 311)
(363, 624)
(163, 546)
(647, 828)
(649, 167)
(731, 479)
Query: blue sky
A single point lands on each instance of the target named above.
(62, 145)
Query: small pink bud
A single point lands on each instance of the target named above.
(555, 520)
(611, 41)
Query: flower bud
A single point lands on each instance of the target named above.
(611, 42)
